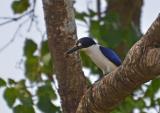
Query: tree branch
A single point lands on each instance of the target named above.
(99, 9)
(32, 15)
(14, 19)
(8, 20)
(14, 36)
(140, 65)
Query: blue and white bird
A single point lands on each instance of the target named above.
(105, 58)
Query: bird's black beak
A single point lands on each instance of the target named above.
(73, 49)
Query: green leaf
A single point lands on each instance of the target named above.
(46, 91)
(25, 97)
(128, 105)
(44, 48)
(129, 36)
(45, 105)
(110, 34)
(23, 94)
(32, 67)
(29, 48)
(158, 101)
(20, 6)
(23, 109)
(92, 13)
(2, 82)
(46, 94)
(20, 84)
(11, 81)
(81, 16)
(153, 88)
(47, 67)
(95, 29)
(46, 59)
(112, 17)
(10, 95)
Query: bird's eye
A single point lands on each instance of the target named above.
(79, 44)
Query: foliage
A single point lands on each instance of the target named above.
(2, 82)
(128, 105)
(37, 88)
(36, 66)
(20, 6)
(23, 109)
(109, 32)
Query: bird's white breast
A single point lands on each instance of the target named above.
(99, 59)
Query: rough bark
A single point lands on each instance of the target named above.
(61, 30)
(140, 65)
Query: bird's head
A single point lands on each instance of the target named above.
(82, 44)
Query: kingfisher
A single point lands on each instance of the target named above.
(105, 58)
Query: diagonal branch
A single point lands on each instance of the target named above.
(14, 36)
(14, 19)
(140, 65)
(99, 9)
(30, 13)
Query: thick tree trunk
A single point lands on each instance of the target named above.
(61, 30)
(140, 65)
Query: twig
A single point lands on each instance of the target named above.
(14, 36)
(32, 16)
(9, 20)
(13, 19)
(37, 27)
(99, 9)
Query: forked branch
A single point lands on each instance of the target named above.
(140, 65)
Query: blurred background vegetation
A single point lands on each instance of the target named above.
(116, 26)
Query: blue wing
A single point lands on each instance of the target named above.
(111, 55)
